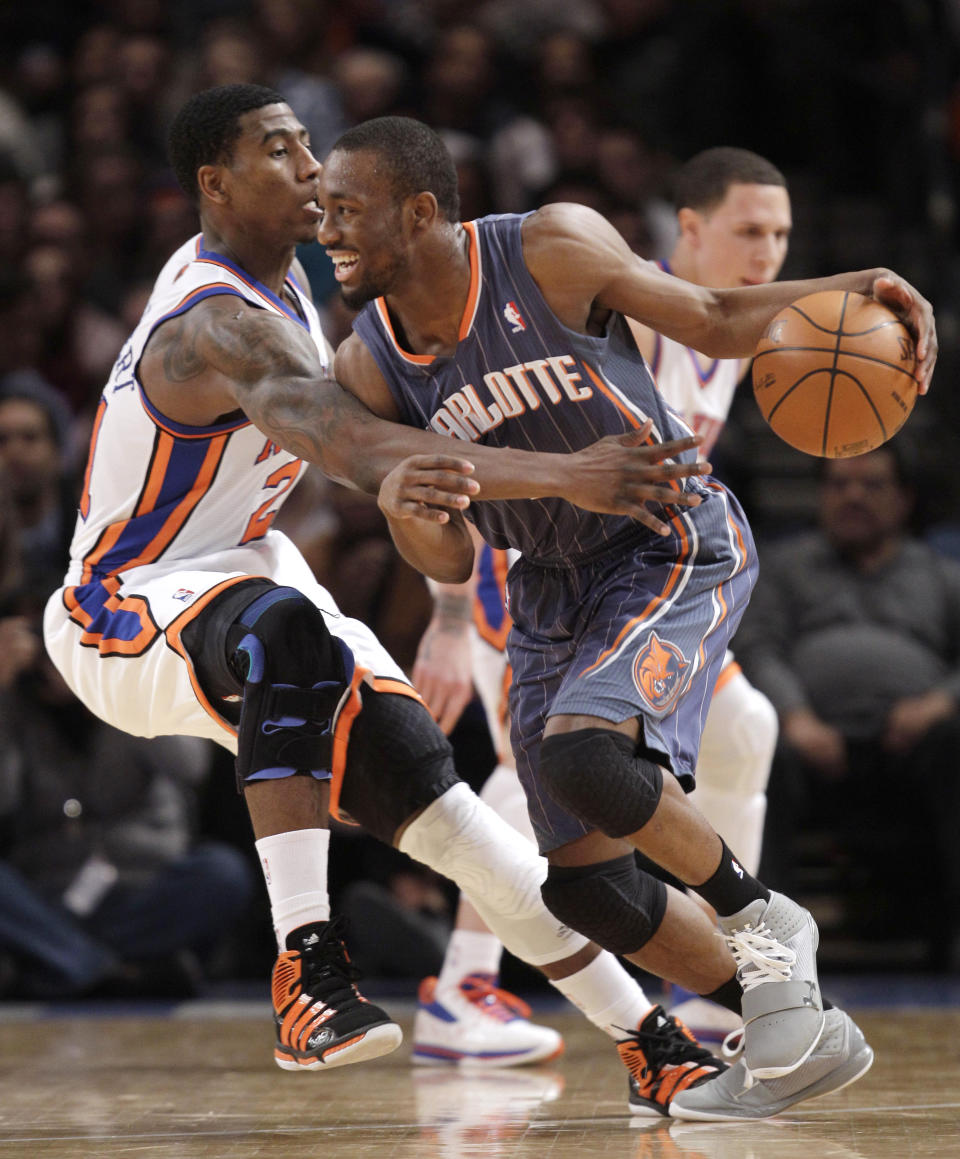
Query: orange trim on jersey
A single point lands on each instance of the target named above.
(158, 471)
(469, 309)
(199, 433)
(111, 645)
(287, 281)
(226, 286)
(344, 723)
(473, 293)
(732, 670)
(85, 494)
(626, 412)
(173, 635)
(174, 521)
(672, 580)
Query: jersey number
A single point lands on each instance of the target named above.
(283, 479)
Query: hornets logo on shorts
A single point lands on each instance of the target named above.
(659, 672)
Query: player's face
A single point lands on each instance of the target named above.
(862, 503)
(272, 176)
(362, 227)
(743, 241)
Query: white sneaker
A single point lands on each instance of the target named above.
(774, 944)
(478, 1025)
(841, 1056)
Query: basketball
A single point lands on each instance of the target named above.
(834, 374)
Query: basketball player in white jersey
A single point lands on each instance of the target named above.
(734, 221)
(184, 612)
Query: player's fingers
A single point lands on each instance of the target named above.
(415, 510)
(673, 447)
(654, 471)
(648, 519)
(636, 437)
(668, 496)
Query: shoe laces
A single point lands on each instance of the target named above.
(732, 1044)
(669, 1043)
(326, 970)
(481, 991)
(759, 956)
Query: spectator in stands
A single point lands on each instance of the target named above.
(853, 633)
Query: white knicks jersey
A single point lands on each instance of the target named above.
(699, 389)
(156, 490)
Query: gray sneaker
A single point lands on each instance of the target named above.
(774, 944)
(841, 1056)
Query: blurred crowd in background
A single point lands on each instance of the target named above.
(596, 101)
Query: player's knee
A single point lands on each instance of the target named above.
(614, 903)
(295, 674)
(595, 774)
(398, 761)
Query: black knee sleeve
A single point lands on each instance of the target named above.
(614, 903)
(398, 761)
(595, 774)
(295, 675)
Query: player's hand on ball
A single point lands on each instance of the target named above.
(917, 314)
(426, 487)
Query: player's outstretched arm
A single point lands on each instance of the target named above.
(581, 263)
(223, 354)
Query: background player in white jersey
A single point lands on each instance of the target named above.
(183, 611)
(734, 221)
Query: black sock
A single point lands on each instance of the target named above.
(730, 993)
(730, 888)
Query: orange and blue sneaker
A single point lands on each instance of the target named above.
(322, 1019)
(664, 1058)
(477, 1024)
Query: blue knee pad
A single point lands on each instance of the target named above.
(296, 676)
(595, 774)
(614, 903)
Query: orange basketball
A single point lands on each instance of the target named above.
(834, 374)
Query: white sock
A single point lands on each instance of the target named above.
(469, 952)
(611, 998)
(294, 867)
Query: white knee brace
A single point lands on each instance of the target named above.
(733, 768)
(499, 871)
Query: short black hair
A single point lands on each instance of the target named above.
(703, 181)
(203, 131)
(418, 159)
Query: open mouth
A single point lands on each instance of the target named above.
(343, 265)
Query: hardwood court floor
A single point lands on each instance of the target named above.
(202, 1084)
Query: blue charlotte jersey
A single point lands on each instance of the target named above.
(519, 378)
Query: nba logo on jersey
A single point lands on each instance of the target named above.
(514, 317)
(659, 671)
(183, 594)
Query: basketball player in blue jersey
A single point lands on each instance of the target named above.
(734, 221)
(510, 331)
(185, 611)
